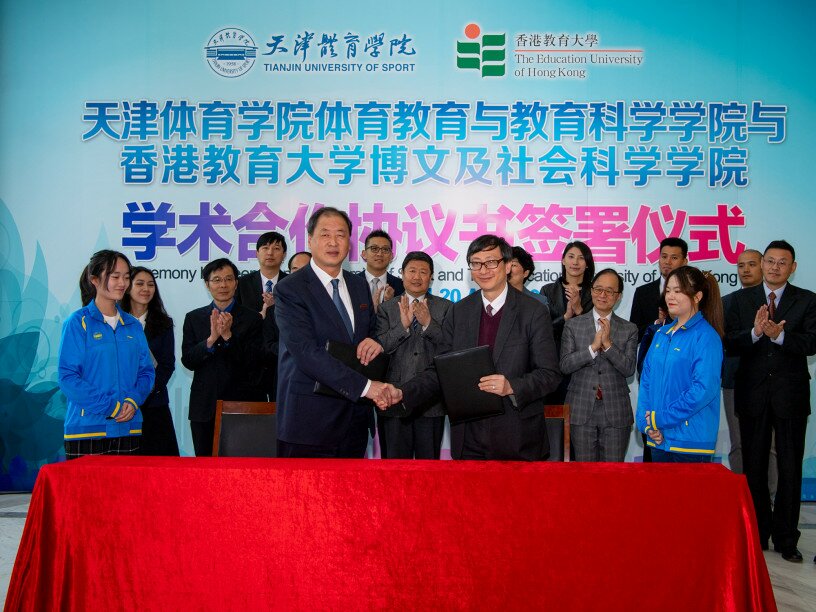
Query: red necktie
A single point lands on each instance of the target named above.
(771, 305)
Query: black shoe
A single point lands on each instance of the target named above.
(792, 554)
(763, 545)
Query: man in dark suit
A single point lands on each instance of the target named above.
(222, 346)
(645, 302)
(255, 291)
(378, 255)
(409, 328)
(772, 328)
(518, 331)
(646, 311)
(323, 302)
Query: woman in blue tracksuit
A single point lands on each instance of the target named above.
(105, 369)
(679, 396)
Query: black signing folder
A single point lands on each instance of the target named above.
(347, 354)
(459, 373)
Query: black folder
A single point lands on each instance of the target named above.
(347, 354)
(459, 373)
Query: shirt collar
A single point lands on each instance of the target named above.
(266, 278)
(777, 292)
(324, 277)
(227, 309)
(597, 317)
(411, 298)
(383, 279)
(498, 303)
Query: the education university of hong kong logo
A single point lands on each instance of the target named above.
(483, 53)
(231, 52)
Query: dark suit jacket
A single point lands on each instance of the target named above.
(770, 376)
(163, 348)
(249, 295)
(307, 318)
(609, 369)
(524, 353)
(231, 371)
(393, 281)
(645, 304)
(554, 292)
(411, 352)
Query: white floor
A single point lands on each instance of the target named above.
(794, 583)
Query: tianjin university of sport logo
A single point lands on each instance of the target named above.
(231, 52)
(485, 53)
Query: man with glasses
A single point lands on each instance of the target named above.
(772, 328)
(599, 349)
(222, 346)
(378, 255)
(518, 331)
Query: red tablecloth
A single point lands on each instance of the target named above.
(255, 534)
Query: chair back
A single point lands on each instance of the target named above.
(245, 429)
(557, 418)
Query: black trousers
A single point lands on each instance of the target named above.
(352, 445)
(203, 432)
(781, 523)
(412, 438)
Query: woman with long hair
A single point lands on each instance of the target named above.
(144, 302)
(679, 396)
(568, 297)
(104, 368)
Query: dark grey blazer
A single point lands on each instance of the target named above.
(610, 369)
(524, 352)
(411, 352)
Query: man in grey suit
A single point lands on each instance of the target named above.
(409, 328)
(599, 349)
(518, 331)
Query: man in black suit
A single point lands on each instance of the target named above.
(378, 255)
(323, 302)
(518, 330)
(772, 328)
(645, 302)
(646, 310)
(255, 291)
(222, 346)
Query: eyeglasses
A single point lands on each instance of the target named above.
(217, 280)
(776, 263)
(601, 291)
(377, 249)
(490, 264)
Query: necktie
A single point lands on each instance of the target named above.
(415, 323)
(489, 310)
(341, 308)
(375, 293)
(599, 391)
(269, 286)
(771, 305)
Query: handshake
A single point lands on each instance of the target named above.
(384, 395)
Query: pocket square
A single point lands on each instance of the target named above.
(363, 306)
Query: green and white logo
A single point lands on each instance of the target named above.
(483, 53)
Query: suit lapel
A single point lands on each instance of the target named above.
(785, 302)
(322, 298)
(358, 293)
(507, 322)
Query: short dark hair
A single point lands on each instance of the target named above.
(609, 271)
(783, 245)
(487, 242)
(525, 259)
(589, 273)
(673, 241)
(326, 210)
(270, 238)
(417, 256)
(217, 264)
(101, 265)
(289, 263)
(379, 233)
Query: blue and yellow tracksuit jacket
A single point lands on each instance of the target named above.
(101, 368)
(680, 386)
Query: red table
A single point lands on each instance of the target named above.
(256, 534)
